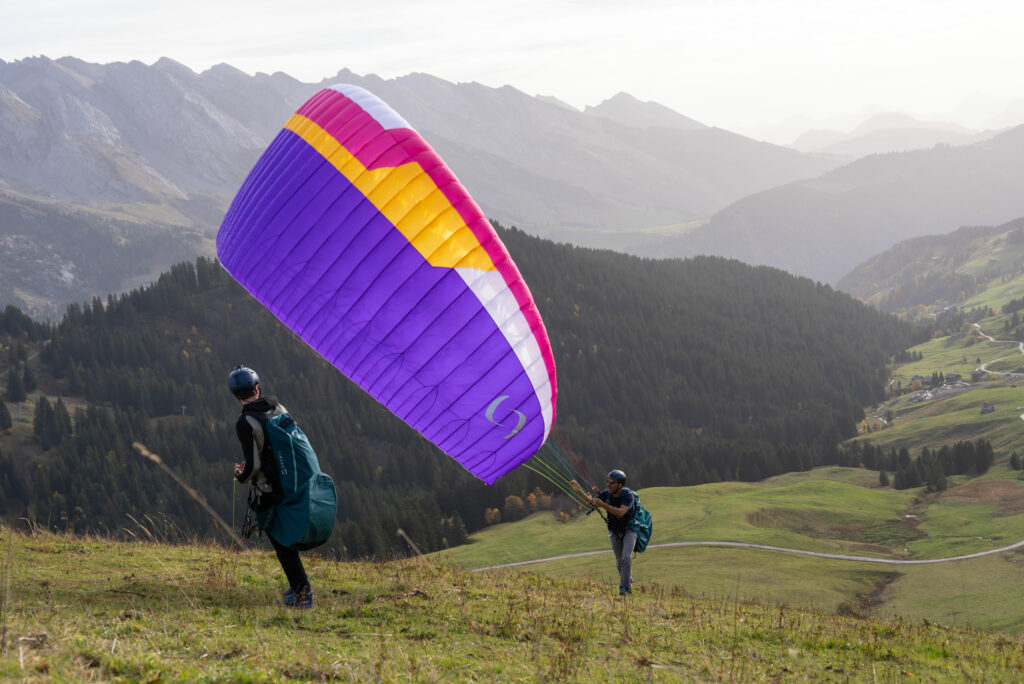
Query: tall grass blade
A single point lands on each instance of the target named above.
(196, 496)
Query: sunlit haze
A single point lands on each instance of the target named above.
(744, 65)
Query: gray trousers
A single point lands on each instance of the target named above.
(623, 548)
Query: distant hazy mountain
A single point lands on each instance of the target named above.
(823, 228)
(790, 129)
(630, 111)
(888, 132)
(161, 143)
(901, 140)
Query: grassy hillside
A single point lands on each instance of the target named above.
(960, 283)
(971, 267)
(830, 510)
(950, 415)
(87, 609)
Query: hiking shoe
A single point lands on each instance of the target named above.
(623, 591)
(303, 599)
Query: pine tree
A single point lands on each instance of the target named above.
(42, 424)
(903, 459)
(15, 386)
(883, 479)
(75, 385)
(899, 480)
(934, 478)
(6, 422)
(61, 419)
(28, 379)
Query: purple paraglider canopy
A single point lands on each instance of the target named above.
(358, 237)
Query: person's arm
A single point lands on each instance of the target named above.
(583, 494)
(244, 469)
(617, 511)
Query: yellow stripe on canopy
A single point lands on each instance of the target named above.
(408, 197)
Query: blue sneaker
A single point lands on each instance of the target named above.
(303, 599)
(623, 591)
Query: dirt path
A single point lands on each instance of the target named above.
(765, 547)
(984, 367)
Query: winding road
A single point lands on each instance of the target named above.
(1020, 348)
(765, 547)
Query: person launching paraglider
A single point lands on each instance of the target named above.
(245, 385)
(620, 504)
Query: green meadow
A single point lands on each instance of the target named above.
(87, 609)
(955, 415)
(91, 609)
(829, 510)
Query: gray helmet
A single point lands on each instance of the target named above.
(243, 381)
(618, 476)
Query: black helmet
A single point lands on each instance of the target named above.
(243, 381)
(618, 476)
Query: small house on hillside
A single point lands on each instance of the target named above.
(987, 408)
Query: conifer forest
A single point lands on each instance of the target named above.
(680, 372)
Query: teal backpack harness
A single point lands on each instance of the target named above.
(640, 523)
(304, 518)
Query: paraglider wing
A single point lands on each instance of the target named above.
(358, 237)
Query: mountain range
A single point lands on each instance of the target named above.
(824, 227)
(145, 159)
(168, 147)
(888, 132)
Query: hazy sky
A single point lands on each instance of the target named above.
(738, 64)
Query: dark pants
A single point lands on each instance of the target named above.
(292, 565)
(623, 549)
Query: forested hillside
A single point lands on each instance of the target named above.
(680, 372)
(918, 276)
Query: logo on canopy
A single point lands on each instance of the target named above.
(490, 416)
